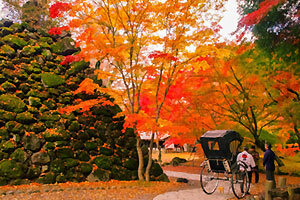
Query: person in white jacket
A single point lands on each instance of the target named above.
(248, 159)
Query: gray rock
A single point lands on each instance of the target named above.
(40, 158)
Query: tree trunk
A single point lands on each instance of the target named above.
(141, 159)
(159, 152)
(147, 173)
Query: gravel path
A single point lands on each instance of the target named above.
(196, 192)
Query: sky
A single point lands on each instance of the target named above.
(229, 22)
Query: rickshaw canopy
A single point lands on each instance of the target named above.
(221, 144)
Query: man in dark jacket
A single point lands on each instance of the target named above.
(268, 163)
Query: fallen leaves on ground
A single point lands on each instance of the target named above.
(113, 190)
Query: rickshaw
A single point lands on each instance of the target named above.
(220, 149)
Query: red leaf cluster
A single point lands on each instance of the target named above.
(57, 30)
(69, 59)
(57, 9)
(158, 54)
(256, 16)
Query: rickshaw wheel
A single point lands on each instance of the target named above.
(240, 181)
(208, 180)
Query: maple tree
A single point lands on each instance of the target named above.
(276, 27)
(121, 34)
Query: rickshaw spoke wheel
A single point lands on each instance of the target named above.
(208, 180)
(240, 181)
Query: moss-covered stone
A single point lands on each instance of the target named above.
(85, 168)
(89, 145)
(66, 46)
(19, 182)
(50, 103)
(15, 127)
(25, 87)
(37, 127)
(106, 151)
(48, 178)
(64, 153)
(34, 101)
(70, 162)
(33, 172)
(19, 155)
(51, 80)
(29, 50)
(74, 126)
(32, 142)
(40, 158)
(7, 116)
(82, 136)
(120, 173)
(102, 174)
(4, 135)
(76, 67)
(8, 146)
(49, 40)
(8, 86)
(6, 50)
(25, 118)
(46, 53)
(76, 144)
(57, 166)
(11, 169)
(12, 103)
(82, 156)
(103, 162)
(14, 41)
(61, 178)
(5, 31)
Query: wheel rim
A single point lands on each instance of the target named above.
(208, 180)
(240, 182)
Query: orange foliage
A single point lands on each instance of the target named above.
(85, 105)
(87, 86)
(290, 150)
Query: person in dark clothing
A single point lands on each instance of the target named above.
(255, 156)
(268, 162)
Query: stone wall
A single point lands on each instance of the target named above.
(38, 143)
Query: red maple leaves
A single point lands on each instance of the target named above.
(57, 9)
(256, 16)
(70, 58)
(57, 30)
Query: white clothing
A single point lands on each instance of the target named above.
(247, 158)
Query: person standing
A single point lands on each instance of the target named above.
(268, 162)
(247, 158)
(255, 156)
